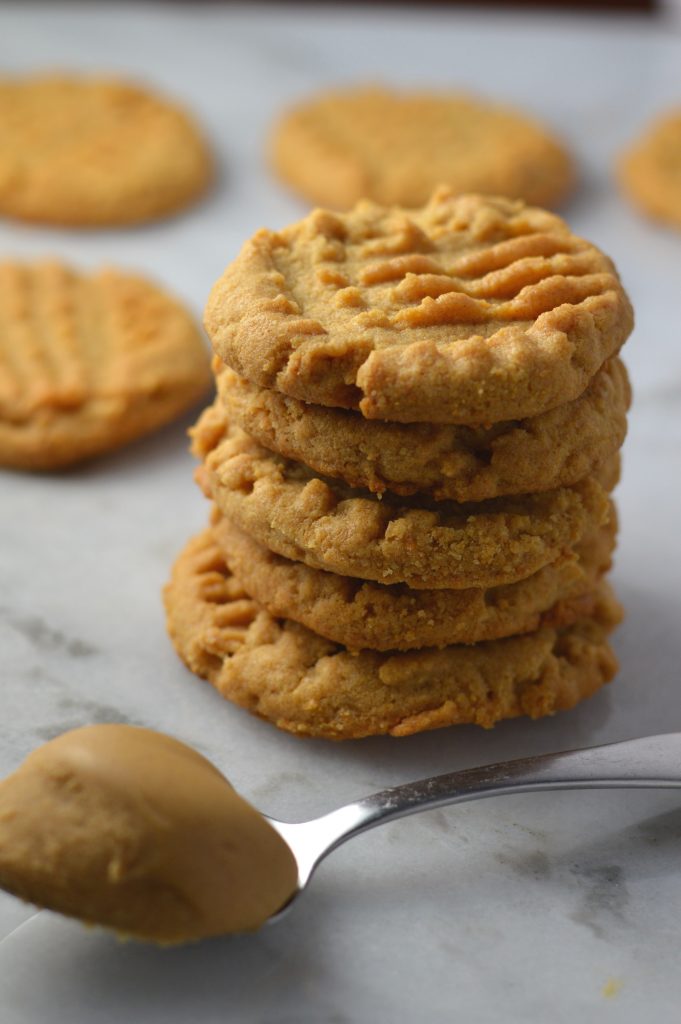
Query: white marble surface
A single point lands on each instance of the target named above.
(530, 909)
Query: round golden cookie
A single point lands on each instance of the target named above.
(425, 544)
(360, 614)
(469, 311)
(397, 147)
(555, 449)
(650, 172)
(90, 151)
(89, 362)
(305, 684)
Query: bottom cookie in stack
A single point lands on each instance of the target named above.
(305, 683)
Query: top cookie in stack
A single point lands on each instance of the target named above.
(411, 455)
(468, 311)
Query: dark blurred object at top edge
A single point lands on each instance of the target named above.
(585, 6)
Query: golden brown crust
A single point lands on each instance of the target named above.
(90, 151)
(361, 614)
(424, 544)
(554, 449)
(307, 685)
(469, 311)
(369, 142)
(89, 362)
(650, 171)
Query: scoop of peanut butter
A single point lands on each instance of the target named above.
(130, 829)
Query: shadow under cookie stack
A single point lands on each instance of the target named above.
(410, 459)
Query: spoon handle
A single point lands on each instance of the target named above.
(652, 762)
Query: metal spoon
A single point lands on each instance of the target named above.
(653, 762)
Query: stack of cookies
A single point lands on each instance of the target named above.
(410, 457)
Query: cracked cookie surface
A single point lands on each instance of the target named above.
(425, 544)
(396, 147)
(283, 672)
(89, 362)
(361, 614)
(554, 449)
(470, 311)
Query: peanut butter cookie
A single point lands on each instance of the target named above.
(425, 544)
(396, 147)
(89, 152)
(650, 172)
(359, 614)
(89, 362)
(305, 684)
(555, 449)
(467, 311)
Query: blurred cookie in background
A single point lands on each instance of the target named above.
(89, 362)
(396, 147)
(89, 152)
(650, 171)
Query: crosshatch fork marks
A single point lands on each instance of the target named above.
(44, 324)
(88, 362)
(471, 310)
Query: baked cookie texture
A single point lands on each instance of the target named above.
(555, 449)
(410, 456)
(360, 614)
(327, 525)
(650, 172)
(396, 147)
(89, 362)
(468, 311)
(308, 685)
(93, 152)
